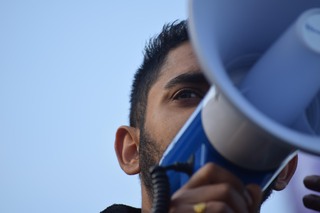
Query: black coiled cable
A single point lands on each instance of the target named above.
(161, 185)
(161, 190)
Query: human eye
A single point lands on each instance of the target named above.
(188, 96)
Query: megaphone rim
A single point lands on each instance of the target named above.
(224, 84)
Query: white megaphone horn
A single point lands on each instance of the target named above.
(263, 58)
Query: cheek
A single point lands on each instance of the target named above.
(164, 125)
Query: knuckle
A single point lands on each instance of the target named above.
(227, 190)
(209, 169)
(219, 207)
(211, 166)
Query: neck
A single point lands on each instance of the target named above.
(146, 203)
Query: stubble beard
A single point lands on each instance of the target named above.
(149, 154)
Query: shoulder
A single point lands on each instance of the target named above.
(120, 208)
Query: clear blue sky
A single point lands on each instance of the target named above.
(65, 74)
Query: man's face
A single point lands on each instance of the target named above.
(171, 100)
(175, 95)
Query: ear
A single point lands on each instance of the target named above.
(286, 174)
(127, 149)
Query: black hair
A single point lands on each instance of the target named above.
(155, 53)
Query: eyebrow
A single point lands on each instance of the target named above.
(189, 77)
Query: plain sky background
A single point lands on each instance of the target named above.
(66, 68)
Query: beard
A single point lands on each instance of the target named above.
(149, 154)
(268, 191)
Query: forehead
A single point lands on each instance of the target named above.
(179, 61)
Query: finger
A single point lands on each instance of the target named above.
(212, 207)
(256, 195)
(219, 207)
(312, 201)
(312, 182)
(222, 192)
(212, 174)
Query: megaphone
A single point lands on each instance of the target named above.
(263, 61)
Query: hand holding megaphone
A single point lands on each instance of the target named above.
(215, 189)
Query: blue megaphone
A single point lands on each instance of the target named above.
(263, 61)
